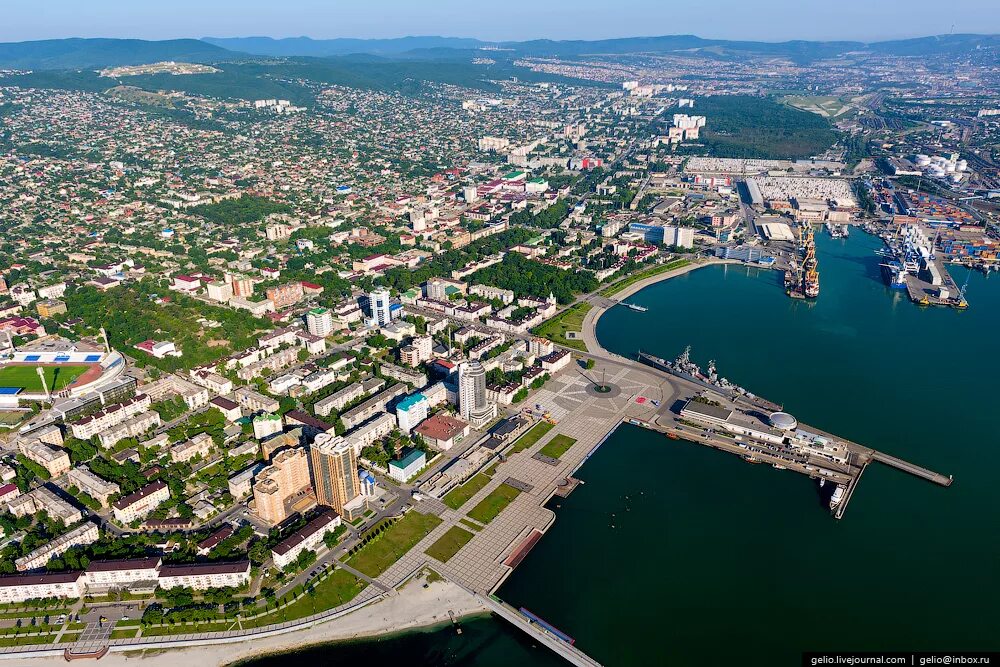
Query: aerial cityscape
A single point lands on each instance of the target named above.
(541, 346)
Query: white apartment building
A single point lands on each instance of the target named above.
(130, 428)
(121, 573)
(86, 533)
(201, 576)
(23, 587)
(319, 322)
(309, 537)
(370, 432)
(111, 416)
(142, 502)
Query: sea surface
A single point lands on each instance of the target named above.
(672, 553)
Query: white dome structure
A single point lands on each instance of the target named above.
(783, 421)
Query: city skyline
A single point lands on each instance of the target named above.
(521, 20)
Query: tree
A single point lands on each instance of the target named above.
(259, 552)
(589, 364)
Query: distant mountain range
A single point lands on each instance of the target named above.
(306, 46)
(97, 53)
(416, 46)
(79, 53)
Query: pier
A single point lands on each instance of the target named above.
(912, 468)
(560, 646)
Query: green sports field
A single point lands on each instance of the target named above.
(26, 377)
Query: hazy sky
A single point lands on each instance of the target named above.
(770, 20)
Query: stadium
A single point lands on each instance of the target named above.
(70, 369)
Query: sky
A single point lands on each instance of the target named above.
(768, 20)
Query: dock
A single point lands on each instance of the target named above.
(838, 513)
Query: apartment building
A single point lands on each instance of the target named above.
(341, 399)
(132, 427)
(109, 417)
(96, 487)
(86, 533)
(254, 401)
(202, 576)
(23, 587)
(200, 444)
(309, 537)
(139, 504)
(372, 406)
(275, 485)
(55, 461)
(106, 574)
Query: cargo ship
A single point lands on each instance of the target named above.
(805, 283)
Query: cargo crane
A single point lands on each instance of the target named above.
(962, 303)
(810, 276)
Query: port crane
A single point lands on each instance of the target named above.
(962, 303)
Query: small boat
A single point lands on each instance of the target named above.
(637, 308)
(778, 467)
(750, 459)
(837, 497)
(673, 436)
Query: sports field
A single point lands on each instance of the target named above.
(26, 377)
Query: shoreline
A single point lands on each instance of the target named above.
(411, 608)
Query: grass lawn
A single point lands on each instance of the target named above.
(468, 523)
(493, 504)
(378, 555)
(336, 589)
(127, 633)
(558, 446)
(22, 641)
(26, 377)
(461, 494)
(531, 437)
(186, 629)
(642, 275)
(569, 320)
(449, 544)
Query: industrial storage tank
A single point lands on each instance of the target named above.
(961, 165)
(923, 160)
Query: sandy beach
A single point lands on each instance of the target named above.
(413, 607)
